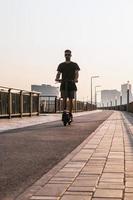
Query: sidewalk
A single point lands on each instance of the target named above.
(101, 168)
(13, 123)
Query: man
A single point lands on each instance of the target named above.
(69, 71)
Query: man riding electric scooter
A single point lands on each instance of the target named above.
(69, 71)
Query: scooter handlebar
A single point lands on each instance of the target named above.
(60, 80)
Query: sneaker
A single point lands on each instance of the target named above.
(71, 116)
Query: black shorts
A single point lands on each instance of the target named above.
(68, 94)
(68, 85)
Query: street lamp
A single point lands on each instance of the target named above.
(121, 101)
(91, 86)
(96, 94)
(127, 96)
(115, 102)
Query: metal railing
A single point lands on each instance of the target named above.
(52, 104)
(17, 102)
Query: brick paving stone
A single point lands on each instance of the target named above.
(128, 196)
(69, 197)
(92, 170)
(81, 189)
(43, 198)
(55, 190)
(62, 179)
(128, 174)
(83, 183)
(59, 182)
(96, 162)
(75, 164)
(75, 197)
(115, 162)
(89, 177)
(78, 193)
(112, 175)
(100, 154)
(72, 169)
(129, 179)
(97, 158)
(106, 193)
(112, 180)
(114, 168)
(129, 184)
(109, 185)
(129, 190)
(106, 199)
(66, 174)
(81, 157)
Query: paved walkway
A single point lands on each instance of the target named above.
(101, 168)
(13, 123)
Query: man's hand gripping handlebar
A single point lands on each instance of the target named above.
(60, 80)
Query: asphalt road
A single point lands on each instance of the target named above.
(28, 153)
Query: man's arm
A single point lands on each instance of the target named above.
(76, 76)
(58, 76)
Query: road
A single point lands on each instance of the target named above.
(28, 153)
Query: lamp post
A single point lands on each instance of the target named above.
(121, 101)
(115, 102)
(91, 86)
(96, 94)
(96, 98)
(111, 104)
(127, 96)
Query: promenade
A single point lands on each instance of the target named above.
(14, 123)
(101, 168)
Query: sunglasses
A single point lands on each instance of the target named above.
(68, 54)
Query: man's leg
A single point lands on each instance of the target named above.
(64, 103)
(70, 105)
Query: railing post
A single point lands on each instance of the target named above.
(21, 103)
(120, 102)
(30, 103)
(55, 104)
(127, 100)
(38, 113)
(9, 103)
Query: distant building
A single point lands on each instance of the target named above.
(124, 88)
(110, 97)
(46, 90)
(47, 102)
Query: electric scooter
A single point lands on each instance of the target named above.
(66, 117)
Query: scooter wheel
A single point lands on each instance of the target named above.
(69, 123)
(64, 123)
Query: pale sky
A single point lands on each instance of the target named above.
(35, 33)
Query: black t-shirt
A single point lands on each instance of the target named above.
(68, 70)
(68, 73)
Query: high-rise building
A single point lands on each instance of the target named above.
(110, 98)
(47, 96)
(46, 90)
(124, 88)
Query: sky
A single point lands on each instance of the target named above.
(35, 33)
